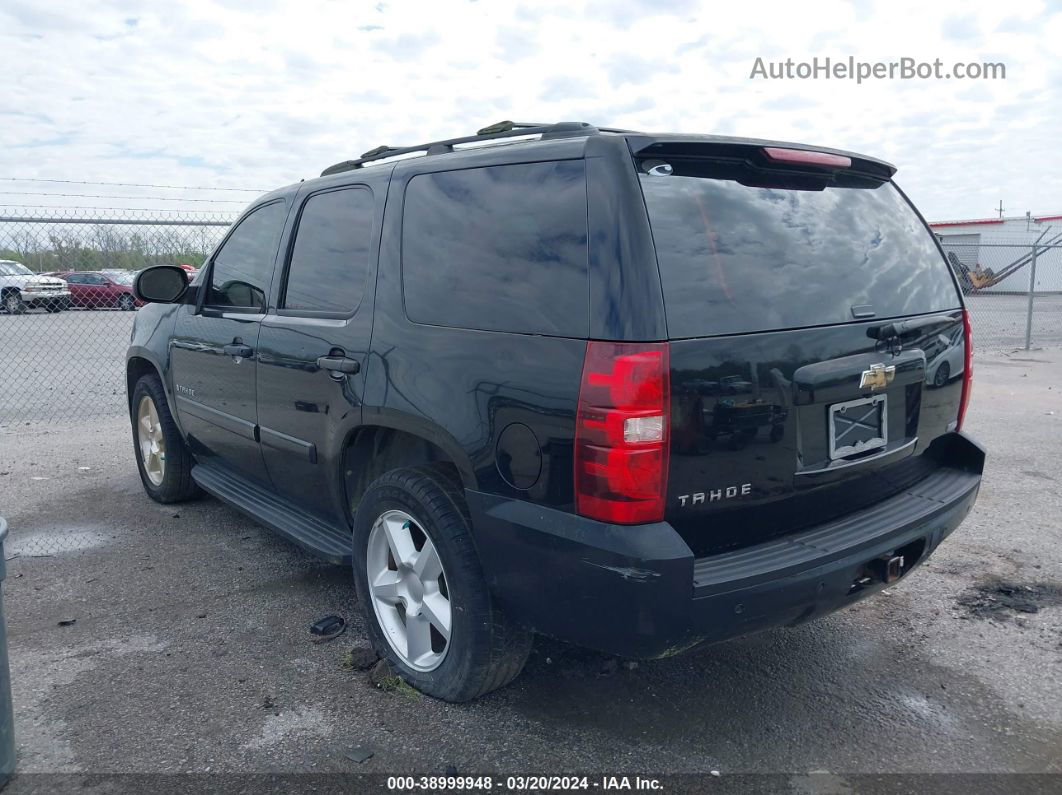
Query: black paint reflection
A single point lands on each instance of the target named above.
(735, 258)
(500, 248)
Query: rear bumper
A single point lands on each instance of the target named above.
(638, 591)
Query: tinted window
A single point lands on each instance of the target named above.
(74, 278)
(243, 267)
(331, 253)
(500, 248)
(737, 257)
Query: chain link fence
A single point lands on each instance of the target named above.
(66, 311)
(67, 304)
(1013, 287)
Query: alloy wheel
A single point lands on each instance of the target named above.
(407, 586)
(152, 442)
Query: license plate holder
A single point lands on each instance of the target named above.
(858, 426)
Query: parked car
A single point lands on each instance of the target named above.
(489, 398)
(110, 289)
(22, 289)
(946, 359)
(190, 270)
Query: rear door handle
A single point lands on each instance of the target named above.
(339, 365)
(238, 350)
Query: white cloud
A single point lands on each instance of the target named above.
(245, 94)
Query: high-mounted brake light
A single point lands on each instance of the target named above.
(621, 432)
(967, 369)
(780, 155)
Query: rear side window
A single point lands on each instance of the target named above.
(739, 252)
(501, 248)
(330, 257)
(243, 267)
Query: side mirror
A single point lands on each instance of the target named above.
(162, 284)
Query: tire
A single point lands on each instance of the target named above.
(485, 650)
(174, 483)
(125, 302)
(13, 303)
(940, 378)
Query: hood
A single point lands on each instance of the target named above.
(35, 280)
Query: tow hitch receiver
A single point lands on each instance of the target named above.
(887, 569)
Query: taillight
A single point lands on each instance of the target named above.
(780, 155)
(621, 432)
(967, 369)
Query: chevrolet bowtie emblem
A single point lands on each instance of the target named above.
(877, 377)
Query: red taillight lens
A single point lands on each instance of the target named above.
(803, 156)
(967, 369)
(621, 432)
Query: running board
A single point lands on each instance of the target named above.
(323, 539)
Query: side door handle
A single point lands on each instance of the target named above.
(338, 366)
(238, 350)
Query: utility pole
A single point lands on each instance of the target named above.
(1000, 208)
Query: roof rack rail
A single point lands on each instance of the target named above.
(503, 129)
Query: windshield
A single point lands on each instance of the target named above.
(120, 277)
(14, 269)
(741, 251)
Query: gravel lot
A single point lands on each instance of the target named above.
(191, 651)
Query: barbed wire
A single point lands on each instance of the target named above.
(107, 196)
(94, 208)
(127, 184)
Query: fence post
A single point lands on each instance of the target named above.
(1032, 289)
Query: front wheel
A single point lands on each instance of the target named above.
(13, 303)
(942, 375)
(164, 462)
(125, 302)
(421, 588)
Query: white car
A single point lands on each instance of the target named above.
(22, 289)
(946, 359)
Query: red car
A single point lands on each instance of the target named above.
(100, 289)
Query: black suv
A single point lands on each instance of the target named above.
(633, 391)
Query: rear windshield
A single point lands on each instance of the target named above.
(742, 250)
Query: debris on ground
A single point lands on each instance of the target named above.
(268, 702)
(997, 599)
(328, 628)
(360, 658)
(381, 674)
(359, 754)
(66, 622)
(384, 677)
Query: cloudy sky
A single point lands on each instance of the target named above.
(259, 94)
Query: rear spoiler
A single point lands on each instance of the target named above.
(748, 149)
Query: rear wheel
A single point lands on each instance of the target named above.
(942, 375)
(13, 303)
(164, 462)
(426, 605)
